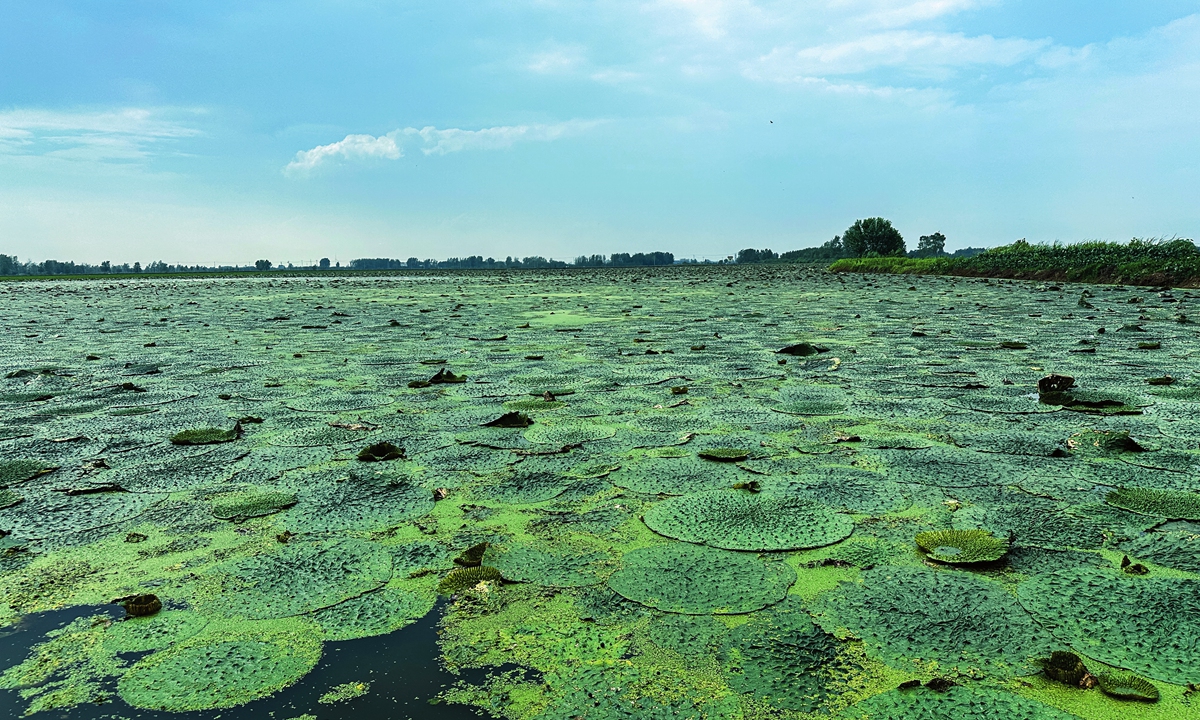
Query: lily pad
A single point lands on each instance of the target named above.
(739, 520)
(698, 580)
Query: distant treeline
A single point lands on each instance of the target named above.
(835, 250)
(533, 262)
(11, 265)
(828, 252)
(1140, 262)
(467, 263)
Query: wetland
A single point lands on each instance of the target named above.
(745, 492)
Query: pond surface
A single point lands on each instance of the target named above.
(746, 493)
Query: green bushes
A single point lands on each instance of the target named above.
(891, 265)
(1139, 262)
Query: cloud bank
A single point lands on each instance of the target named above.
(430, 141)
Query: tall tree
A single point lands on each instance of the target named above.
(931, 245)
(873, 236)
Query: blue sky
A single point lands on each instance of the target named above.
(229, 131)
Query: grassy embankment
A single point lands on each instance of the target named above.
(1140, 262)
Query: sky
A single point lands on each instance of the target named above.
(222, 132)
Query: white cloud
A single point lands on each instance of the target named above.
(125, 134)
(919, 52)
(430, 141)
(441, 142)
(352, 147)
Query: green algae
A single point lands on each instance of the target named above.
(345, 692)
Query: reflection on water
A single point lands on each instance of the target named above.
(402, 669)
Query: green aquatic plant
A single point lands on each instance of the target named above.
(1127, 686)
(243, 504)
(510, 420)
(749, 521)
(724, 454)
(344, 692)
(1178, 549)
(13, 472)
(464, 578)
(1065, 667)
(49, 515)
(953, 619)
(523, 487)
(813, 400)
(140, 605)
(217, 671)
(953, 703)
(374, 613)
(962, 547)
(698, 580)
(472, 556)
(1127, 622)
(675, 474)
(380, 452)
(801, 349)
(444, 376)
(156, 632)
(9, 498)
(1105, 442)
(1170, 504)
(356, 501)
(206, 436)
(780, 656)
(549, 565)
(298, 577)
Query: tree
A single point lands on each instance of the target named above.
(137, 267)
(828, 250)
(324, 263)
(750, 255)
(262, 264)
(931, 245)
(873, 236)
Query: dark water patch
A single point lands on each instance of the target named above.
(402, 669)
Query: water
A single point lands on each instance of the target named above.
(402, 669)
